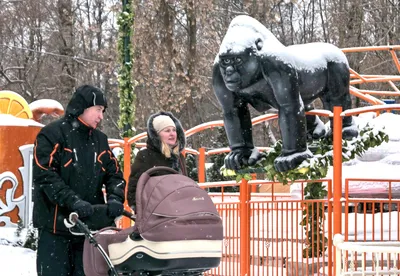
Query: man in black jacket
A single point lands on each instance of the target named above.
(72, 164)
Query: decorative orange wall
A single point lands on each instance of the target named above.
(11, 138)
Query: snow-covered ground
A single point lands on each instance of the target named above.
(15, 260)
(378, 163)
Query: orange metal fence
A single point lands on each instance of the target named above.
(374, 213)
(263, 235)
(272, 241)
(371, 216)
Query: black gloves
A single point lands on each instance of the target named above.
(114, 207)
(83, 208)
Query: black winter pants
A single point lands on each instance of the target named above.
(59, 255)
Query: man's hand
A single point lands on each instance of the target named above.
(83, 208)
(114, 208)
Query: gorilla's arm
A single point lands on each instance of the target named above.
(259, 95)
(237, 120)
(292, 120)
(238, 127)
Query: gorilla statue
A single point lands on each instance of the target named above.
(253, 67)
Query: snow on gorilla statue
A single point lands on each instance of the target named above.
(253, 67)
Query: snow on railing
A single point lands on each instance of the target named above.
(366, 258)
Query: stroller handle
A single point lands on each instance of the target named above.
(74, 220)
(151, 171)
(73, 217)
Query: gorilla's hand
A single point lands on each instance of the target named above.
(319, 129)
(289, 162)
(239, 158)
(349, 132)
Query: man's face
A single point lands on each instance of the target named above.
(92, 116)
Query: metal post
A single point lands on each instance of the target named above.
(337, 173)
(202, 165)
(126, 222)
(244, 229)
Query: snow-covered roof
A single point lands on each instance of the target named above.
(10, 120)
(45, 103)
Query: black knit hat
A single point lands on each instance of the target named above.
(84, 97)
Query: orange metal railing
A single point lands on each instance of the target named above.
(271, 241)
(357, 78)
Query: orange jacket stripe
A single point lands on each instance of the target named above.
(98, 158)
(83, 122)
(52, 153)
(69, 162)
(55, 219)
(36, 160)
(115, 160)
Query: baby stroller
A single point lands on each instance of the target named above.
(177, 231)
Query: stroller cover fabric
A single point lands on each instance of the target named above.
(173, 207)
(177, 227)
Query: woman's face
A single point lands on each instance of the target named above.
(168, 135)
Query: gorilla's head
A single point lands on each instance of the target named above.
(240, 51)
(239, 70)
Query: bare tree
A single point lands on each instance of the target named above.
(66, 77)
(50, 47)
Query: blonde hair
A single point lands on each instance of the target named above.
(167, 151)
